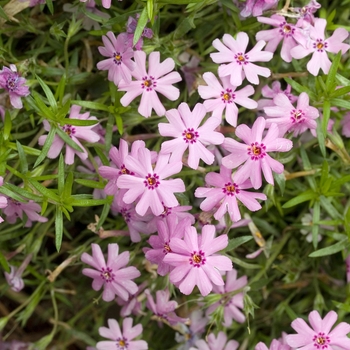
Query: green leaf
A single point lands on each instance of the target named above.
(60, 182)
(22, 158)
(105, 212)
(332, 72)
(47, 146)
(61, 88)
(7, 125)
(49, 95)
(87, 202)
(340, 103)
(328, 206)
(141, 24)
(91, 105)
(67, 191)
(4, 263)
(281, 181)
(150, 7)
(326, 115)
(45, 111)
(79, 122)
(341, 181)
(45, 191)
(321, 138)
(335, 248)
(340, 92)
(68, 140)
(90, 183)
(58, 228)
(244, 264)
(300, 88)
(315, 226)
(303, 197)
(178, 2)
(236, 242)
(22, 192)
(119, 122)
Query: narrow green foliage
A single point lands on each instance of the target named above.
(22, 158)
(46, 146)
(330, 82)
(58, 228)
(7, 126)
(141, 24)
(301, 198)
(4, 263)
(236, 242)
(49, 95)
(326, 116)
(335, 248)
(315, 225)
(68, 140)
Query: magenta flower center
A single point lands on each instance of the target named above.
(286, 30)
(117, 57)
(69, 130)
(166, 211)
(241, 58)
(256, 151)
(167, 248)
(321, 340)
(126, 215)
(320, 45)
(230, 189)
(190, 135)
(227, 96)
(12, 83)
(197, 258)
(152, 181)
(107, 274)
(124, 170)
(297, 116)
(148, 83)
(122, 343)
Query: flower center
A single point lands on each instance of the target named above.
(227, 96)
(230, 189)
(148, 83)
(320, 45)
(69, 130)
(321, 341)
(12, 83)
(152, 181)
(190, 135)
(297, 116)
(107, 274)
(125, 171)
(256, 151)
(241, 58)
(166, 211)
(117, 58)
(126, 215)
(122, 343)
(197, 258)
(167, 248)
(286, 29)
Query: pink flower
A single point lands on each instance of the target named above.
(121, 340)
(3, 199)
(320, 336)
(346, 125)
(14, 84)
(240, 63)
(189, 70)
(195, 262)
(225, 193)
(148, 185)
(76, 133)
(275, 345)
(292, 119)
(224, 97)
(14, 278)
(116, 279)
(284, 31)
(159, 78)
(184, 127)
(130, 30)
(218, 343)
(133, 304)
(232, 305)
(270, 93)
(306, 13)
(119, 63)
(254, 153)
(316, 44)
(163, 308)
(257, 7)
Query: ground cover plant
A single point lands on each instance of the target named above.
(174, 174)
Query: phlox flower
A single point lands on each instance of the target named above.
(76, 133)
(14, 278)
(257, 7)
(148, 186)
(289, 118)
(219, 97)
(232, 305)
(275, 345)
(118, 63)
(113, 276)
(195, 262)
(3, 199)
(225, 193)
(14, 84)
(163, 308)
(214, 343)
(320, 336)
(121, 340)
(254, 152)
(130, 32)
(240, 64)
(184, 127)
(284, 31)
(271, 92)
(346, 125)
(306, 13)
(315, 43)
(158, 78)
(133, 304)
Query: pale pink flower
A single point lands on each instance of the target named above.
(76, 133)
(346, 125)
(118, 63)
(232, 305)
(284, 31)
(121, 340)
(3, 199)
(254, 153)
(148, 186)
(270, 93)
(133, 304)
(225, 193)
(214, 343)
(316, 44)
(320, 336)
(275, 345)
(158, 78)
(292, 119)
(306, 13)
(240, 64)
(257, 7)
(184, 127)
(14, 278)
(113, 276)
(195, 262)
(14, 84)
(220, 97)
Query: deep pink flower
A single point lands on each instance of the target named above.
(292, 119)
(184, 127)
(121, 340)
(14, 278)
(233, 305)
(239, 62)
(257, 7)
(214, 343)
(320, 336)
(148, 185)
(195, 262)
(284, 31)
(315, 43)
(119, 63)
(14, 84)
(254, 153)
(275, 345)
(116, 279)
(158, 78)
(220, 97)
(76, 133)
(3, 199)
(270, 94)
(225, 193)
